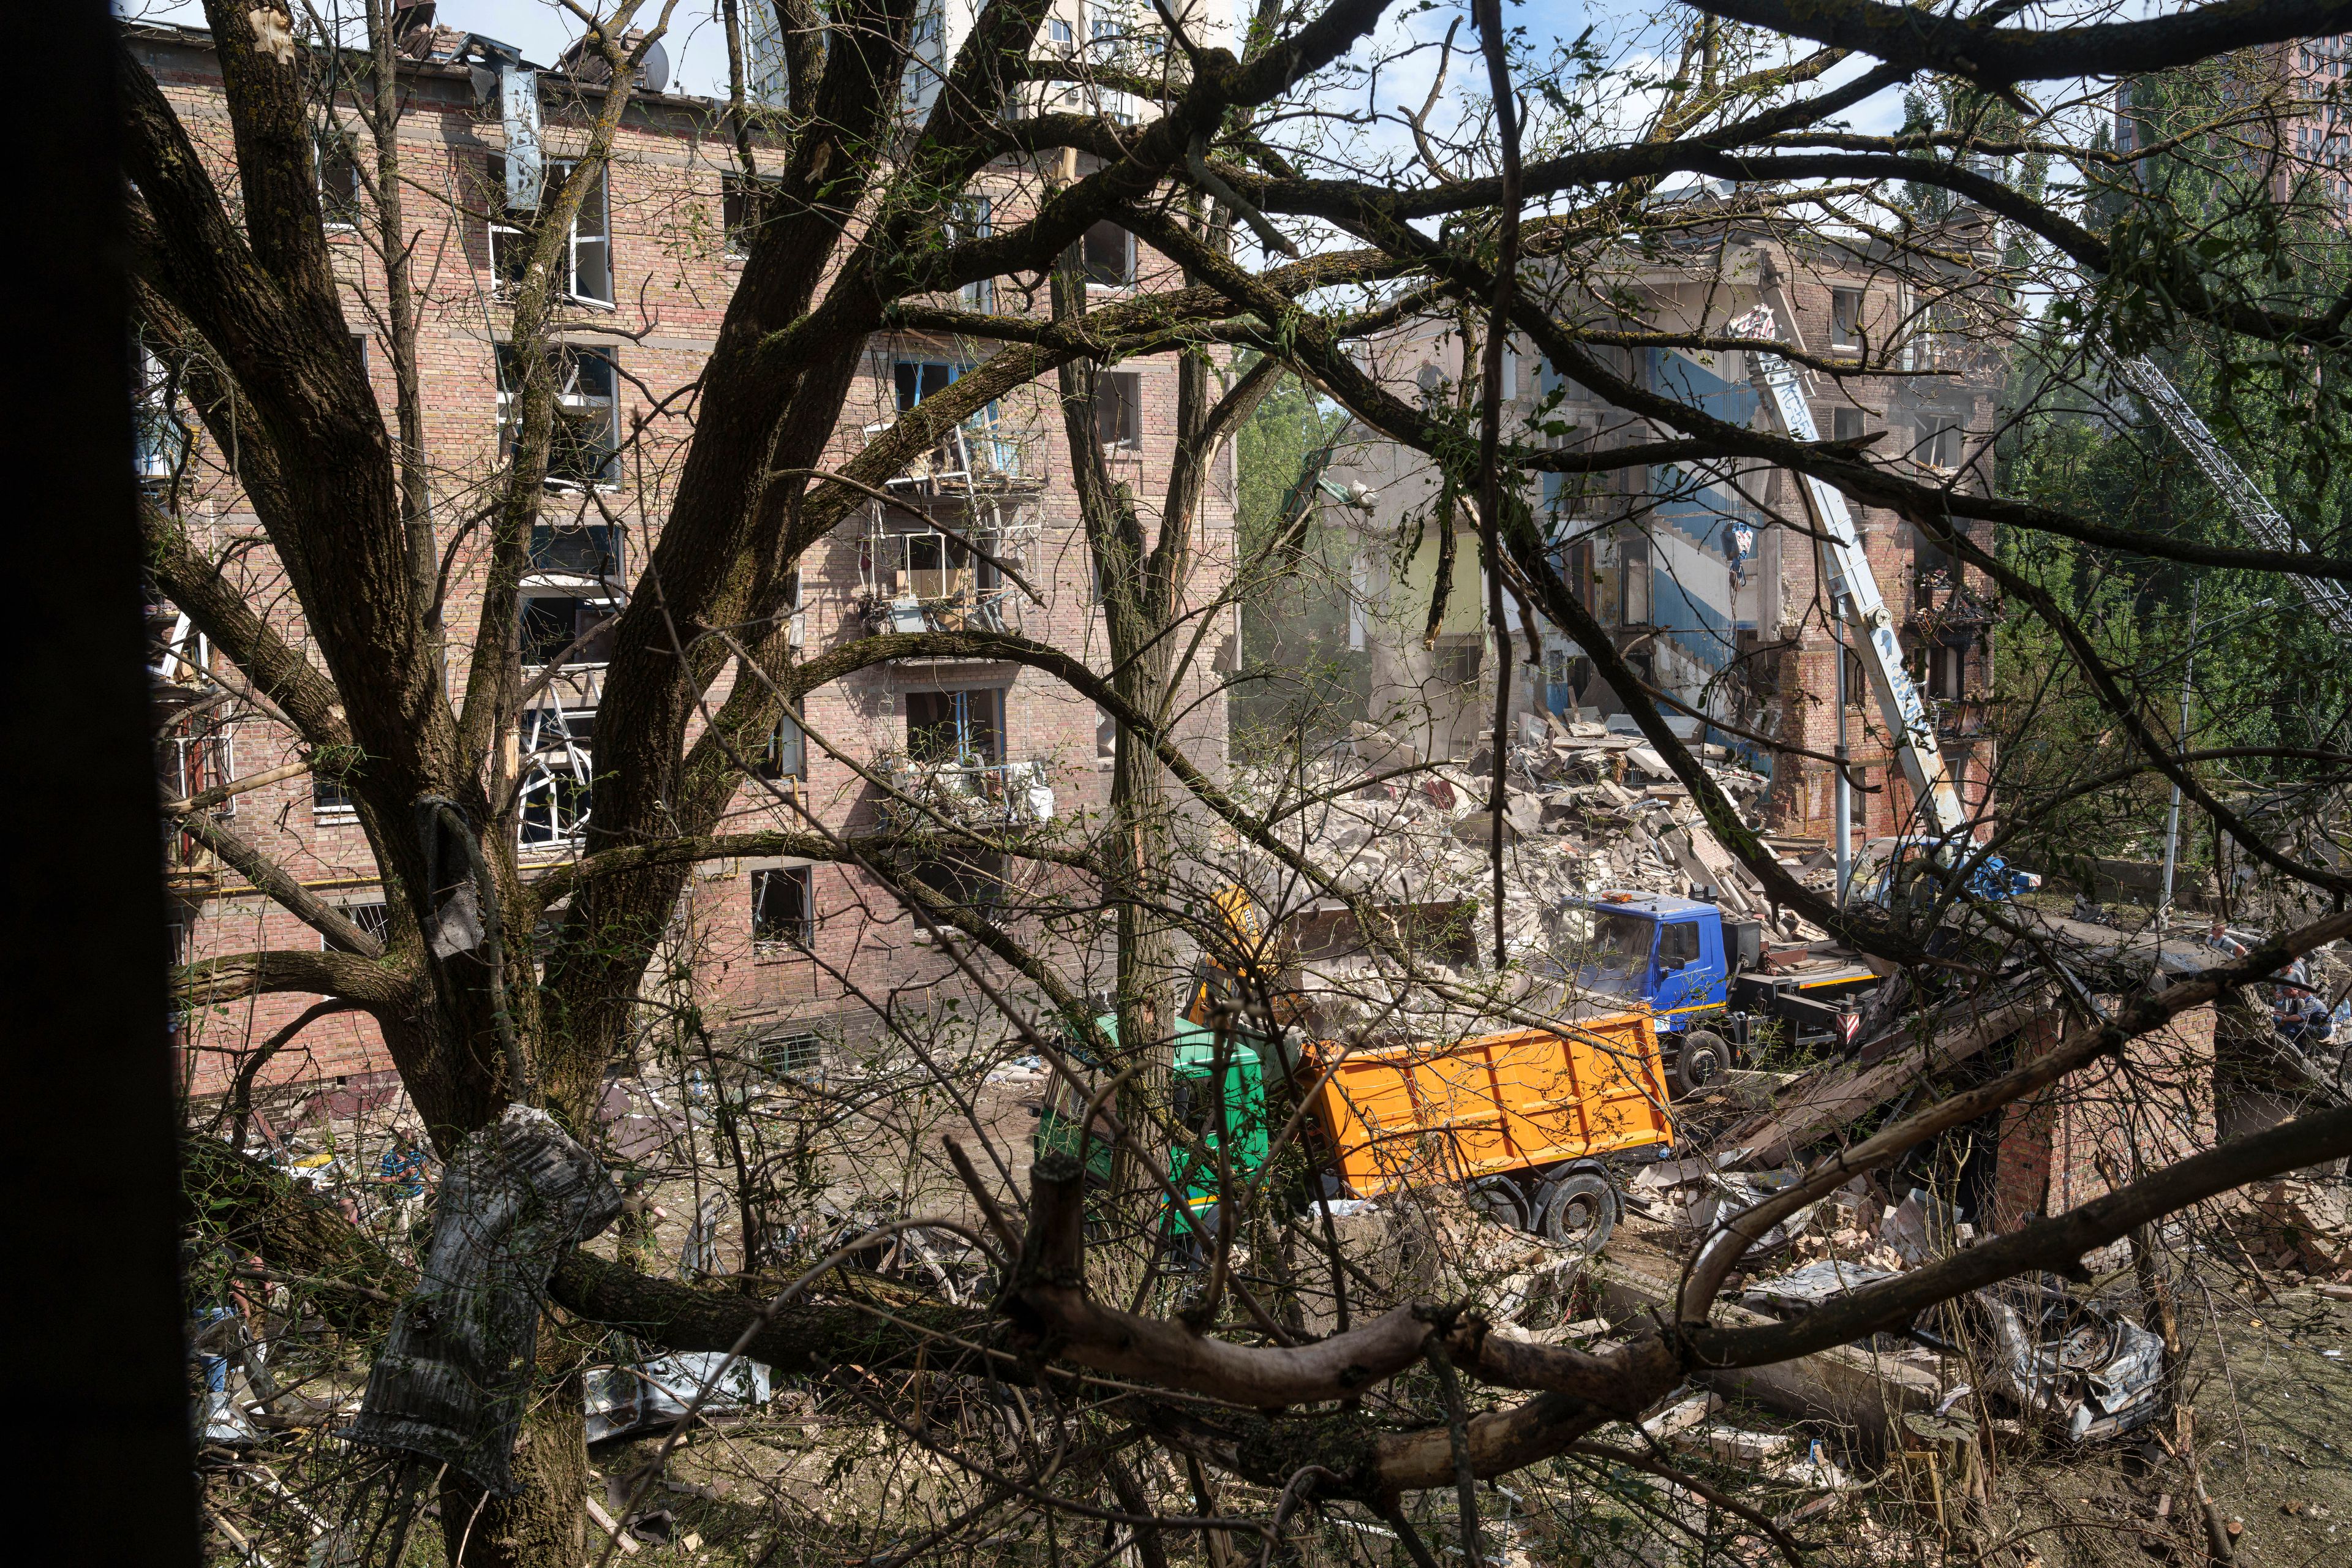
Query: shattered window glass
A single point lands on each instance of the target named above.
(1621, 942)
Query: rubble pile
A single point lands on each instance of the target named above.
(1585, 808)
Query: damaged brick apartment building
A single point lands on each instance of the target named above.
(1704, 577)
(774, 946)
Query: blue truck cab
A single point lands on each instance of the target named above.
(1707, 980)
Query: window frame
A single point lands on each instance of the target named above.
(503, 282)
(1117, 392)
(775, 752)
(1128, 263)
(329, 801)
(568, 358)
(340, 213)
(768, 930)
(960, 716)
(1847, 307)
(570, 797)
(585, 657)
(377, 925)
(1947, 671)
(782, 1054)
(1934, 430)
(972, 217)
(748, 191)
(161, 440)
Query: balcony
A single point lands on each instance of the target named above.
(969, 792)
(1960, 718)
(918, 579)
(974, 459)
(1942, 611)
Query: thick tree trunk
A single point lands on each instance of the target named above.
(544, 1523)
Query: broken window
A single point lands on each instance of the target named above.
(1633, 582)
(1119, 408)
(587, 550)
(1845, 317)
(782, 912)
(919, 379)
(1105, 735)
(161, 440)
(584, 447)
(742, 209)
(1941, 444)
(1107, 255)
(340, 187)
(1846, 425)
(947, 727)
(1677, 944)
(566, 629)
(1931, 568)
(370, 918)
(556, 774)
(585, 267)
(1946, 671)
(785, 754)
(968, 220)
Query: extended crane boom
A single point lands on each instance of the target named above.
(2327, 598)
(1853, 594)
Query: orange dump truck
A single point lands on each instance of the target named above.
(1532, 1121)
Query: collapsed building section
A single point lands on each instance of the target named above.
(1705, 578)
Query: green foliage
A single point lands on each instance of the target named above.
(2216, 211)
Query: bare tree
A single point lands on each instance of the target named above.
(242, 288)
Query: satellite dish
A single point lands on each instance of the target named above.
(656, 68)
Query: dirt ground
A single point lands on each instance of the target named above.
(2271, 1391)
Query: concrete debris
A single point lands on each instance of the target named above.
(1682, 1417)
(1802, 1289)
(1584, 810)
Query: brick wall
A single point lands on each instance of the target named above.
(672, 279)
(2152, 1107)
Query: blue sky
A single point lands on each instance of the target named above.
(698, 53)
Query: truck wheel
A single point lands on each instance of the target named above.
(1499, 1199)
(1577, 1210)
(1701, 1060)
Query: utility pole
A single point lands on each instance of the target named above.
(1842, 817)
(2172, 821)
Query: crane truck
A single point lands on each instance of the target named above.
(1710, 981)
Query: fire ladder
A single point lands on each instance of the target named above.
(1854, 592)
(2328, 599)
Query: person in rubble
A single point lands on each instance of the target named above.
(2297, 1011)
(401, 1176)
(2220, 937)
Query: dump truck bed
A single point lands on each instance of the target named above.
(1523, 1100)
